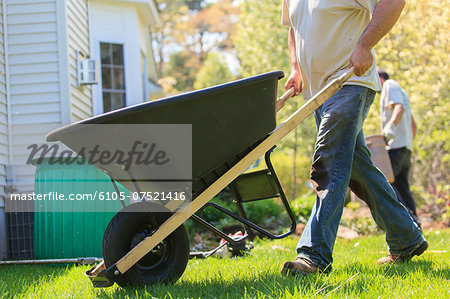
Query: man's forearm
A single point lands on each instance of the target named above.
(294, 80)
(384, 18)
(397, 114)
(292, 50)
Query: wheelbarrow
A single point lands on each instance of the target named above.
(233, 125)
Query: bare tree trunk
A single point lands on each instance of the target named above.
(161, 59)
(202, 52)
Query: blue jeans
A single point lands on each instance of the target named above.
(342, 159)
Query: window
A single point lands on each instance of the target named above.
(113, 76)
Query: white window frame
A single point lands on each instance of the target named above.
(98, 89)
(111, 90)
(129, 36)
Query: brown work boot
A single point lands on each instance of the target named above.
(395, 258)
(299, 266)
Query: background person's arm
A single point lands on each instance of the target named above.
(388, 130)
(384, 18)
(397, 114)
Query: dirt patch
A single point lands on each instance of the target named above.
(343, 232)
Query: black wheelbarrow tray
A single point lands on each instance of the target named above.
(233, 125)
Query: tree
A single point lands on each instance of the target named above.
(183, 67)
(261, 46)
(170, 14)
(193, 29)
(213, 72)
(195, 4)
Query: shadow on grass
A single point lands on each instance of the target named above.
(16, 280)
(426, 267)
(351, 278)
(399, 270)
(264, 284)
(374, 279)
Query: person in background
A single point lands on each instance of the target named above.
(399, 129)
(326, 38)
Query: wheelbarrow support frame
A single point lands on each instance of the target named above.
(276, 191)
(188, 209)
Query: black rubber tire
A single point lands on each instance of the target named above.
(165, 264)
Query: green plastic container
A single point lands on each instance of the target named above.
(61, 233)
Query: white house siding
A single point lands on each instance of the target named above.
(34, 73)
(145, 46)
(3, 138)
(3, 112)
(78, 40)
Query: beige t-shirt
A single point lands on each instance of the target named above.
(326, 32)
(392, 93)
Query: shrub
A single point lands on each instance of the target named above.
(283, 164)
(302, 206)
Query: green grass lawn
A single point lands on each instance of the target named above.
(355, 275)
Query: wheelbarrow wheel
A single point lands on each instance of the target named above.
(164, 264)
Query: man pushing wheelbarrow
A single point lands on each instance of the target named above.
(326, 37)
(146, 242)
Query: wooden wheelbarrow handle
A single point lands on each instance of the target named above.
(281, 100)
(291, 91)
